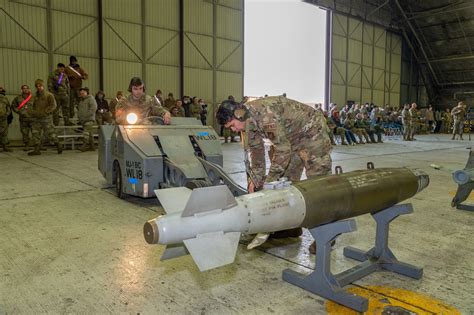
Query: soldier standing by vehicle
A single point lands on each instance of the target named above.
(458, 113)
(44, 105)
(58, 84)
(86, 111)
(5, 111)
(406, 121)
(140, 104)
(195, 109)
(299, 134)
(21, 105)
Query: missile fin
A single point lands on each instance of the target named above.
(207, 199)
(173, 251)
(258, 240)
(173, 199)
(212, 250)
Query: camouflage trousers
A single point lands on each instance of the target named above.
(311, 152)
(361, 133)
(74, 99)
(3, 131)
(458, 127)
(26, 128)
(88, 133)
(42, 126)
(62, 102)
(406, 130)
(103, 118)
(339, 132)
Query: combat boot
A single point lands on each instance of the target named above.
(91, 145)
(27, 147)
(379, 138)
(36, 151)
(460, 137)
(59, 147)
(296, 232)
(453, 137)
(84, 147)
(225, 140)
(6, 149)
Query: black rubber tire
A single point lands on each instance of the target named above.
(119, 182)
(197, 183)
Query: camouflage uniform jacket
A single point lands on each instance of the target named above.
(405, 116)
(413, 115)
(86, 109)
(144, 106)
(43, 105)
(458, 113)
(362, 124)
(5, 109)
(169, 103)
(24, 111)
(286, 123)
(195, 110)
(177, 111)
(56, 86)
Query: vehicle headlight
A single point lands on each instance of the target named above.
(132, 118)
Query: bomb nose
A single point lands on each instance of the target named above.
(423, 179)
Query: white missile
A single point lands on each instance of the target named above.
(207, 222)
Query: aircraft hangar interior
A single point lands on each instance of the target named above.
(236, 157)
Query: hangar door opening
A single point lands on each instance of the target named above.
(285, 50)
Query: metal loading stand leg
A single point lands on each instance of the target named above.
(381, 256)
(323, 283)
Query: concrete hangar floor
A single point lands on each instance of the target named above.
(68, 245)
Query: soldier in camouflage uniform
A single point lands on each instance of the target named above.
(349, 124)
(458, 113)
(299, 135)
(364, 128)
(140, 104)
(170, 102)
(21, 105)
(414, 121)
(195, 109)
(44, 105)
(86, 111)
(406, 121)
(177, 110)
(335, 130)
(58, 84)
(5, 111)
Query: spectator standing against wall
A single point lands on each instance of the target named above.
(76, 75)
(58, 85)
(21, 105)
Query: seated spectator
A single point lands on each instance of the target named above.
(102, 114)
(177, 110)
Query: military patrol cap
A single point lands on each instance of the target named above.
(136, 81)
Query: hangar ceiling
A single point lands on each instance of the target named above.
(440, 34)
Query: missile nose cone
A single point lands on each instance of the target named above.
(151, 233)
(423, 179)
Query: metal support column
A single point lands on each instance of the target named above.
(214, 59)
(143, 37)
(101, 44)
(328, 74)
(49, 35)
(181, 48)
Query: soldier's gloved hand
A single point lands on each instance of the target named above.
(167, 118)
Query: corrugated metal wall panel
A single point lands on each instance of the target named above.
(365, 63)
(198, 83)
(86, 7)
(162, 46)
(117, 75)
(75, 34)
(23, 27)
(163, 13)
(122, 41)
(198, 51)
(122, 10)
(236, 4)
(227, 18)
(41, 3)
(164, 78)
(229, 57)
(198, 17)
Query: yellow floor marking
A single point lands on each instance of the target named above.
(382, 297)
(471, 196)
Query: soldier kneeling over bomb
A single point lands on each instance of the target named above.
(300, 140)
